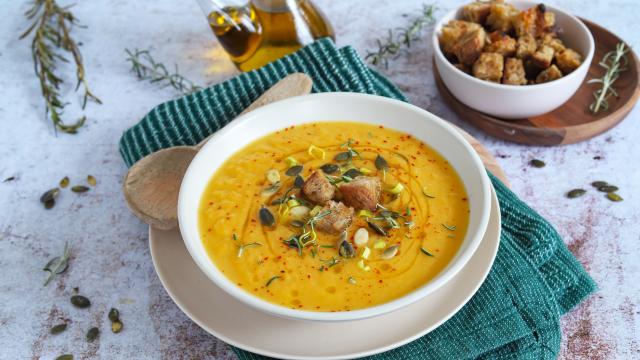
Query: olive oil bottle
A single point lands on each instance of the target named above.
(257, 32)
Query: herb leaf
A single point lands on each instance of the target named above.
(146, 68)
(273, 278)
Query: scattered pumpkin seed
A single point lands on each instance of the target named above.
(92, 334)
(390, 252)
(65, 357)
(608, 188)
(57, 265)
(58, 329)
(597, 184)
(49, 195)
(92, 180)
(345, 249)
(298, 182)
(424, 251)
(64, 182)
(330, 168)
(381, 163)
(614, 197)
(273, 278)
(377, 228)
(294, 170)
(79, 189)
(352, 173)
(575, 193)
(343, 156)
(114, 314)
(10, 178)
(80, 301)
(116, 326)
(271, 189)
(352, 281)
(537, 163)
(49, 204)
(266, 217)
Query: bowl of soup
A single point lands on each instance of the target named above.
(333, 207)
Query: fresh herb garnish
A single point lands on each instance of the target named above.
(615, 62)
(146, 68)
(273, 278)
(449, 227)
(58, 264)
(245, 246)
(424, 251)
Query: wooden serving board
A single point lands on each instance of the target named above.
(572, 122)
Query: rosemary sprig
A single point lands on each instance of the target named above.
(52, 32)
(57, 265)
(615, 62)
(146, 68)
(245, 246)
(401, 39)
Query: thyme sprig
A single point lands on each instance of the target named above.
(147, 68)
(615, 62)
(401, 39)
(51, 27)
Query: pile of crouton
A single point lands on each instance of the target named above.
(496, 42)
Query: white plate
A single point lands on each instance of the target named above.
(242, 326)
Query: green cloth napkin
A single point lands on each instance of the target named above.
(534, 280)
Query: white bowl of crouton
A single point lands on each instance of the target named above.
(514, 59)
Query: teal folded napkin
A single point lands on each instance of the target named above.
(534, 280)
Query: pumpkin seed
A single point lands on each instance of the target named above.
(80, 301)
(424, 251)
(377, 228)
(92, 180)
(597, 184)
(390, 252)
(10, 178)
(352, 173)
(298, 182)
(575, 193)
(294, 170)
(49, 195)
(381, 163)
(92, 334)
(116, 326)
(345, 249)
(58, 329)
(272, 189)
(608, 188)
(330, 168)
(79, 189)
(114, 314)
(49, 204)
(614, 197)
(65, 357)
(537, 163)
(266, 217)
(64, 182)
(343, 156)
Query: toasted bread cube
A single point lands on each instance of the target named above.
(318, 189)
(489, 67)
(501, 17)
(500, 43)
(526, 46)
(362, 193)
(568, 60)
(514, 72)
(469, 47)
(338, 220)
(550, 74)
(550, 39)
(543, 57)
(454, 31)
(476, 12)
(534, 21)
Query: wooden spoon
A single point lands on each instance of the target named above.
(152, 184)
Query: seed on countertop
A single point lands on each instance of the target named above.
(294, 170)
(58, 329)
(575, 193)
(92, 334)
(597, 184)
(608, 188)
(390, 252)
(92, 180)
(614, 197)
(537, 163)
(64, 182)
(116, 326)
(79, 189)
(65, 357)
(114, 314)
(266, 217)
(330, 168)
(49, 195)
(80, 301)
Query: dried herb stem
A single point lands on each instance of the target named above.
(52, 32)
(615, 62)
(147, 68)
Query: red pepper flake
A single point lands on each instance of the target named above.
(210, 202)
(464, 199)
(380, 281)
(266, 258)
(308, 276)
(381, 127)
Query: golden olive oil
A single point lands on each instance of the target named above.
(262, 31)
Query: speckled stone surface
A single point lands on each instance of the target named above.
(110, 255)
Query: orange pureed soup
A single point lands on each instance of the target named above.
(333, 216)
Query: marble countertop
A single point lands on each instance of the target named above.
(110, 254)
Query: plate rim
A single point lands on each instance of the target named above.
(495, 212)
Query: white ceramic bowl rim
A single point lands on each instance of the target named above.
(194, 245)
(452, 15)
